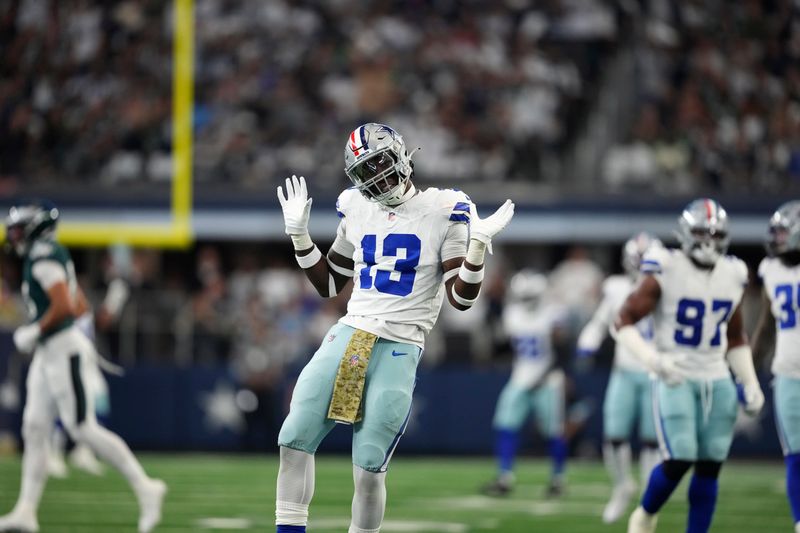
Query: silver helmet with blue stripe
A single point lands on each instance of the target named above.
(703, 231)
(378, 163)
(784, 229)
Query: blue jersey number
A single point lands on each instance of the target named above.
(788, 318)
(407, 267)
(527, 347)
(690, 316)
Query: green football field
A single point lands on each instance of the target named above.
(237, 493)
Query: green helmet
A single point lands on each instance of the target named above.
(27, 223)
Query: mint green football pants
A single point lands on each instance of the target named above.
(386, 401)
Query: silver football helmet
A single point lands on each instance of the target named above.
(784, 229)
(703, 231)
(26, 223)
(377, 162)
(633, 250)
(528, 287)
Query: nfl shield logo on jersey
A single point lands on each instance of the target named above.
(392, 216)
(354, 360)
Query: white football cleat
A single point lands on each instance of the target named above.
(618, 504)
(82, 457)
(19, 521)
(642, 522)
(151, 498)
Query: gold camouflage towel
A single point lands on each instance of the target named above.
(349, 385)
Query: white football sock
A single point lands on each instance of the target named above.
(369, 501)
(618, 462)
(112, 449)
(649, 458)
(34, 469)
(295, 487)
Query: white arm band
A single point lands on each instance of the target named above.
(347, 272)
(470, 276)
(740, 360)
(632, 340)
(463, 301)
(450, 274)
(308, 261)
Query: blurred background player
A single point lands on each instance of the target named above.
(57, 375)
(627, 397)
(88, 323)
(532, 321)
(405, 249)
(778, 324)
(695, 297)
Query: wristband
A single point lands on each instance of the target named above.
(472, 277)
(461, 300)
(309, 260)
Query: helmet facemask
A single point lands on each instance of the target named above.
(378, 179)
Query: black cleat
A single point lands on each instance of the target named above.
(497, 487)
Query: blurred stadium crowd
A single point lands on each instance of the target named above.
(491, 91)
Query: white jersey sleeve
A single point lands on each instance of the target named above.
(48, 273)
(596, 329)
(782, 286)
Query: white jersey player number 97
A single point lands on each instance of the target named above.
(691, 316)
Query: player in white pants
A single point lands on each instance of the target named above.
(57, 375)
(627, 397)
(82, 455)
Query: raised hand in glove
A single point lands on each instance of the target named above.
(296, 205)
(486, 228)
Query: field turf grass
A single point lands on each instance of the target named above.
(425, 495)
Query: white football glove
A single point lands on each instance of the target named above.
(296, 205)
(667, 368)
(752, 398)
(25, 337)
(484, 229)
(740, 359)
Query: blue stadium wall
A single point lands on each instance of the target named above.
(189, 409)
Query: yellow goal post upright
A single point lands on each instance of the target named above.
(177, 233)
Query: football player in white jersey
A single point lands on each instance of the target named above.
(694, 295)
(779, 323)
(627, 395)
(57, 375)
(536, 386)
(405, 250)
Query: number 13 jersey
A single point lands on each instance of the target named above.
(397, 254)
(692, 314)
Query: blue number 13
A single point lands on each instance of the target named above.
(690, 316)
(406, 267)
